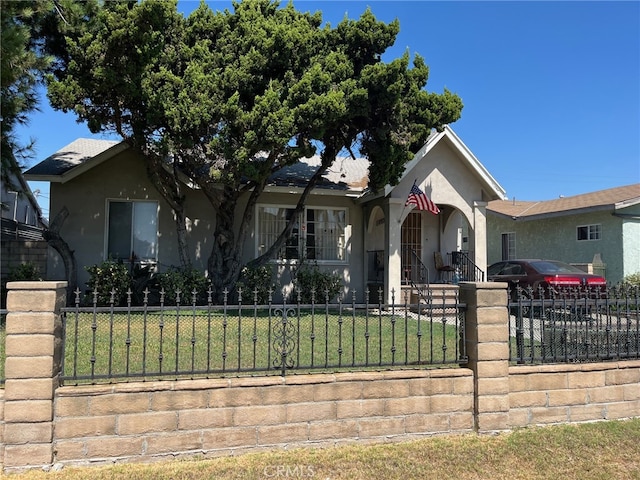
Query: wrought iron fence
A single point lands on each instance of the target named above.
(114, 343)
(574, 325)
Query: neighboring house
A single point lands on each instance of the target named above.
(18, 202)
(21, 226)
(370, 239)
(598, 231)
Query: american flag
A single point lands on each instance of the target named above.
(418, 198)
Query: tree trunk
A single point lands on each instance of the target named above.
(224, 263)
(286, 233)
(55, 241)
(168, 185)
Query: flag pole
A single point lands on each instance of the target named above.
(405, 202)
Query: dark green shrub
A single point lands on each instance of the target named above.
(183, 281)
(25, 272)
(310, 278)
(107, 279)
(144, 285)
(258, 280)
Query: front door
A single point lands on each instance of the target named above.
(411, 242)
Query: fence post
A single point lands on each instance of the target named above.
(487, 337)
(33, 359)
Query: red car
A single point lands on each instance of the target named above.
(550, 275)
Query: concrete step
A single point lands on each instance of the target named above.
(442, 297)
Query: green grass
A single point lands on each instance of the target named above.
(193, 343)
(594, 451)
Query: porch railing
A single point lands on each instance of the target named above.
(112, 343)
(465, 269)
(415, 272)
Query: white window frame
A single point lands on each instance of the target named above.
(593, 232)
(511, 245)
(147, 260)
(301, 234)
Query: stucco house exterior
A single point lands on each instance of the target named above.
(367, 238)
(598, 231)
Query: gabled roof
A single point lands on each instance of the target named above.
(15, 176)
(72, 160)
(610, 199)
(447, 134)
(346, 174)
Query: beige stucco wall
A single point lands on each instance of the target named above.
(352, 270)
(122, 177)
(125, 177)
(460, 193)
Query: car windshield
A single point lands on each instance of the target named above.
(550, 267)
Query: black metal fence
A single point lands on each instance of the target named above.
(574, 325)
(114, 343)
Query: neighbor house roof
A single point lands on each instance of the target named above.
(610, 199)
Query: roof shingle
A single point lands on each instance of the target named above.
(602, 198)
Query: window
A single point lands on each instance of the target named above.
(319, 233)
(508, 246)
(589, 232)
(132, 232)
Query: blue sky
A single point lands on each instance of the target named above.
(551, 90)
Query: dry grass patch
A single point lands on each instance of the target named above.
(598, 451)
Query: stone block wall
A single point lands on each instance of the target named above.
(548, 394)
(42, 423)
(146, 421)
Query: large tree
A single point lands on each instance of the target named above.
(22, 65)
(231, 97)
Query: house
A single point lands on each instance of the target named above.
(18, 204)
(21, 227)
(598, 231)
(369, 238)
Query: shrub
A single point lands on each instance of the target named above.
(632, 280)
(185, 281)
(108, 277)
(256, 279)
(144, 285)
(310, 278)
(25, 272)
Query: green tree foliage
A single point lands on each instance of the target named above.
(234, 96)
(22, 64)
